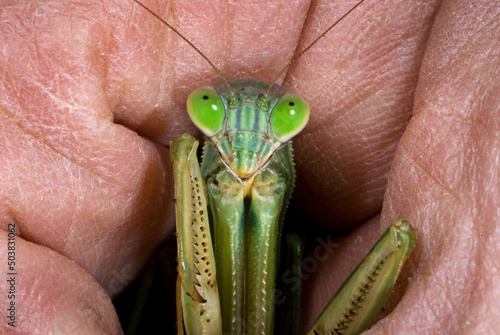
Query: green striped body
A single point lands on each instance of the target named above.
(248, 171)
(248, 189)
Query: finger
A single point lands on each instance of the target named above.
(71, 179)
(49, 294)
(446, 181)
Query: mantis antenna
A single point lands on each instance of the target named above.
(310, 45)
(188, 42)
(279, 74)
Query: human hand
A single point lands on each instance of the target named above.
(99, 193)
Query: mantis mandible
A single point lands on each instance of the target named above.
(226, 283)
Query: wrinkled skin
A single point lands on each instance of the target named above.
(89, 91)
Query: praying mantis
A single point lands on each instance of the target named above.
(226, 283)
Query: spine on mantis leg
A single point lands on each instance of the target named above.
(197, 276)
(355, 305)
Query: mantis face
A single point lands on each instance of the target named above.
(247, 124)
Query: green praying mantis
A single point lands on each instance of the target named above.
(239, 195)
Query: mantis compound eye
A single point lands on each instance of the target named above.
(206, 109)
(289, 117)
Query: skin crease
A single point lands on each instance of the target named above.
(89, 90)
